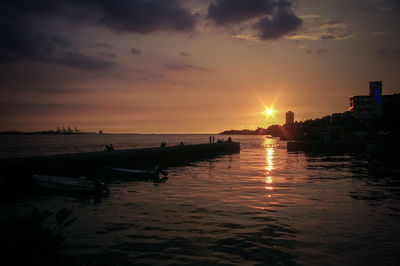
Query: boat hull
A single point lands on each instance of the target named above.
(66, 184)
(136, 173)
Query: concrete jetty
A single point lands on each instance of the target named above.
(94, 163)
(376, 146)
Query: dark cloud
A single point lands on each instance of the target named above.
(146, 16)
(61, 41)
(184, 54)
(184, 67)
(275, 17)
(78, 60)
(19, 42)
(224, 12)
(107, 54)
(22, 39)
(282, 23)
(136, 51)
(104, 45)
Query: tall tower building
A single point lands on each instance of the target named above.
(289, 117)
(375, 90)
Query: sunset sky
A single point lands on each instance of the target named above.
(191, 66)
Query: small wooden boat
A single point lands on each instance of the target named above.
(81, 184)
(140, 173)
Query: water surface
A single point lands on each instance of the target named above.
(262, 206)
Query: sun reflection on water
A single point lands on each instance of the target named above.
(269, 159)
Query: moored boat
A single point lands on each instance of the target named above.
(139, 173)
(81, 184)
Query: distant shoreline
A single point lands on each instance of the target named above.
(43, 133)
(96, 133)
(240, 132)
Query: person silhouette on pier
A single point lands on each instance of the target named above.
(109, 148)
(210, 139)
(213, 139)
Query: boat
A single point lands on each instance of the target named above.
(81, 184)
(140, 173)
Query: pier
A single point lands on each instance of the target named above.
(94, 163)
(387, 148)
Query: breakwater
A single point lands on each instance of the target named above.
(93, 163)
(385, 148)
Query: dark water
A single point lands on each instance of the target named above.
(262, 206)
(34, 145)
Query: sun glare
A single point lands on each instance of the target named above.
(269, 111)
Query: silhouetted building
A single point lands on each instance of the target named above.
(365, 107)
(375, 90)
(342, 119)
(391, 107)
(289, 117)
(374, 105)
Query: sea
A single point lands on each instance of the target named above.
(263, 206)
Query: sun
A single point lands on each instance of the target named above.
(269, 111)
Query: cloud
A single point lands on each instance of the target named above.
(104, 45)
(184, 67)
(23, 39)
(81, 61)
(271, 19)
(282, 23)
(107, 54)
(184, 54)
(317, 29)
(136, 51)
(225, 12)
(20, 42)
(146, 16)
(61, 41)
